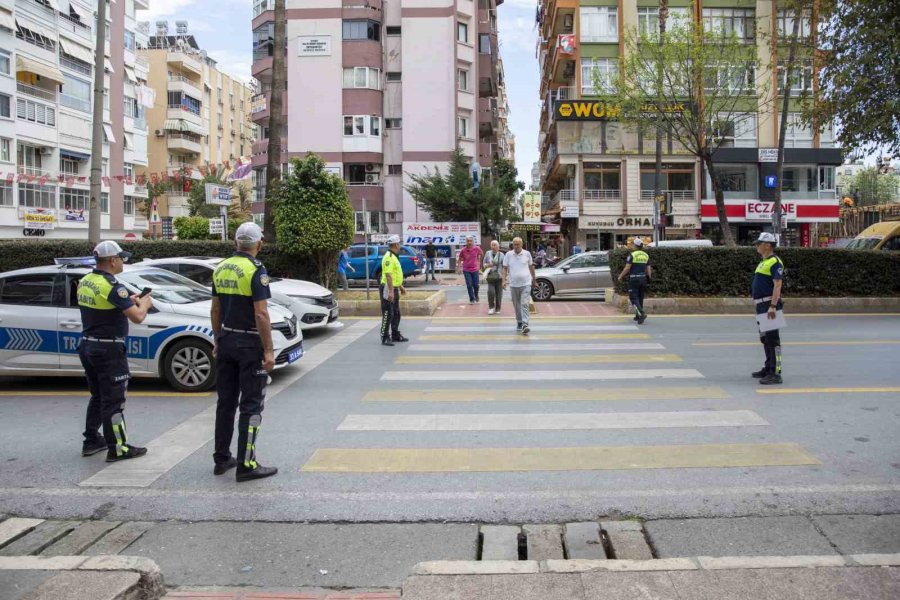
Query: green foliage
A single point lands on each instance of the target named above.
(810, 272)
(452, 197)
(313, 215)
(192, 228)
(869, 186)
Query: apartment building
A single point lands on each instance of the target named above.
(46, 83)
(598, 176)
(201, 115)
(382, 90)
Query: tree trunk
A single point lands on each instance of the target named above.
(660, 130)
(273, 166)
(788, 68)
(720, 201)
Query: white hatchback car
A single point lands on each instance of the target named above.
(313, 304)
(40, 326)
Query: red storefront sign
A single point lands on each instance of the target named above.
(798, 211)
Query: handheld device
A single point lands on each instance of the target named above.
(144, 292)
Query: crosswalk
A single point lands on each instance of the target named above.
(448, 379)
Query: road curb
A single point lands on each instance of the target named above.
(699, 563)
(150, 584)
(745, 306)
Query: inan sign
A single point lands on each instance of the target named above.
(758, 210)
(440, 234)
(598, 110)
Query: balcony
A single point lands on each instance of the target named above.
(180, 143)
(562, 93)
(37, 92)
(677, 195)
(180, 83)
(185, 61)
(176, 111)
(80, 29)
(602, 195)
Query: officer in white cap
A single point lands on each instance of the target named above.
(391, 287)
(766, 289)
(638, 270)
(106, 307)
(244, 353)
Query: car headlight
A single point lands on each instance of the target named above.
(303, 299)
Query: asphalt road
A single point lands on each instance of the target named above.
(565, 425)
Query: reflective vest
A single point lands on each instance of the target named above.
(390, 265)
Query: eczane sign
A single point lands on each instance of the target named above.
(758, 210)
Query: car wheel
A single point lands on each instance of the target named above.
(542, 291)
(189, 366)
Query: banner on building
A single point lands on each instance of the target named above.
(567, 44)
(531, 207)
(314, 45)
(39, 220)
(599, 110)
(440, 234)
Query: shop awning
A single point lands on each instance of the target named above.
(109, 133)
(129, 140)
(6, 19)
(38, 29)
(76, 50)
(129, 74)
(74, 155)
(32, 66)
(107, 65)
(182, 125)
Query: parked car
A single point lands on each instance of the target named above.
(410, 260)
(585, 273)
(40, 326)
(880, 236)
(313, 304)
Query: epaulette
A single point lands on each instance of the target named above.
(110, 278)
(256, 262)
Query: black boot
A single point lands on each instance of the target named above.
(223, 467)
(761, 373)
(245, 474)
(771, 379)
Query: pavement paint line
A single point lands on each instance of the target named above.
(835, 343)
(505, 327)
(524, 339)
(518, 359)
(130, 394)
(831, 390)
(443, 348)
(175, 445)
(585, 458)
(547, 394)
(552, 421)
(538, 375)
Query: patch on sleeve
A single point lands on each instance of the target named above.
(123, 293)
(264, 279)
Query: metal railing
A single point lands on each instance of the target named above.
(677, 195)
(36, 92)
(76, 26)
(598, 195)
(184, 79)
(75, 65)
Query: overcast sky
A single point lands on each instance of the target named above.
(222, 28)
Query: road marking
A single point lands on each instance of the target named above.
(518, 359)
(552, 421)
(523, 339)
(584, 458)
(538, 375)
(443, 348)
(810, 343)
(534, 319)
(173, 446)
(505, 327)
(832, 390)
(130, 394)
(546, 394)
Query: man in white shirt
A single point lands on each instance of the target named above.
(518, 274)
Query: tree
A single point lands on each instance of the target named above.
(453, 197)
(869, 186)
(273, 164)
(860, 78)
(313, 216)
(711, 86)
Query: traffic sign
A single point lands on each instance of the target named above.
(216, 226)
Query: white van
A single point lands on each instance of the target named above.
(681, 244)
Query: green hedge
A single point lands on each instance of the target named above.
(21, 254)
(811, 272)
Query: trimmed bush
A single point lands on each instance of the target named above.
(810, 272)
(21, 254)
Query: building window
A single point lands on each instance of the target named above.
(129, 205)
(68, 166)
(5, 110)
(801, 78)
(798, 134)
(599, 24)
(70, 62)
(4, 62)
(28, 160)
(362, 29)
(362, 78)
(128, 170)
(395, 170)
(602, 181)
(377, 222)
(5, 149)
(462, 80)
(37, 39)
(392, 30)
(648, 20)
(184, 102)
(6, 193)
(785, 23)
(76, 93)
(677, 177)
(129, 40)
(104, 203)
(737, 130)
(374, 125)
(484, 43)
(393, 123)
(799, 179)
(37, 196)
(598, 70)
(359, 125)
(738, 178)
(263, 41)
(462, 32)
(393, 76)
(463, 127)
(71, 199)
(131, 107)
(730, 77)
(355, 174)
(727, 22)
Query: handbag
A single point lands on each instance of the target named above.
(493, 272)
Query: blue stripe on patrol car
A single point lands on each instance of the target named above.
(42, 340)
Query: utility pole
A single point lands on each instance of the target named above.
(659, 224)
(97, 127)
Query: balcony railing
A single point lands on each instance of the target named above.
(598, 195)
(183, 79)
(36, 92)
(73, 25)
(677, 195)
(142, 61)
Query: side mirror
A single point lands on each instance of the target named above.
(565, 269)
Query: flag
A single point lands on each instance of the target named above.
(241, 171)
(154, 212)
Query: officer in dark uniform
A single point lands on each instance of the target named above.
(638, 270)
(766, 290)
(106, 307)
(240, 321)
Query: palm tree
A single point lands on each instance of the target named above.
(273, 166)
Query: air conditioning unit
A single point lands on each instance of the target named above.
(45, 151)
(159, 133)
(372, 179)
(568, 23)
(373, 168)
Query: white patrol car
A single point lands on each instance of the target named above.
(40, 326)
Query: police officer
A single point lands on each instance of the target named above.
(243, 333)
(638, 270)
(106, 307)
(391, 287)
(766, 290)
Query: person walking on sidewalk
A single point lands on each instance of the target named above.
(244, 352)
(518, 274)
(343, 265)
(391, 287)
(106, 307)
(493, 263)
(430, 258)
(766, 290)
(638, 270)
(470, 263)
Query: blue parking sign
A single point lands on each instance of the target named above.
(771, 181)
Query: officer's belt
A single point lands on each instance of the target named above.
(761, 300)
(639, 275)
(233, 330)
(104, 340)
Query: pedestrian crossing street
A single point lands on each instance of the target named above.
(459, 378)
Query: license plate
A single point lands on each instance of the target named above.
(334, 313)
(295, 354)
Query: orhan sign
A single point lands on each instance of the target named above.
(599, 110)
(615, 223)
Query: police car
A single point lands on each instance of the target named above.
(40, 326)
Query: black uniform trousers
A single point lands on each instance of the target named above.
(390, 314)
(106, 367)
(771, 341)
(240, 383)
(637, 287)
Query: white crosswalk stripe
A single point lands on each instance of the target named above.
(535, 347)
(541, 375)
(535, 328)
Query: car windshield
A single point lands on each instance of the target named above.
(862, 243)
(167, 287)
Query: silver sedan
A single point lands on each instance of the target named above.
(585, 273)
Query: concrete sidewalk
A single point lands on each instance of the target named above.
(863, 577)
